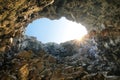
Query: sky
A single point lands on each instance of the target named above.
(58, 31)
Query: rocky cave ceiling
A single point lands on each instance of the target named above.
(23, 56)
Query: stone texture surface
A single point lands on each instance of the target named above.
(25, 58)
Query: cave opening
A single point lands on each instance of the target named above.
(58, 31)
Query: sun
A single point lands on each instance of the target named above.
(75, 30)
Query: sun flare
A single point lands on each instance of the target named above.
(74, 30)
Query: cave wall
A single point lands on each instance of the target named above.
(15, 15)
(96, 57)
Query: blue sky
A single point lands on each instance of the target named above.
(58, 31)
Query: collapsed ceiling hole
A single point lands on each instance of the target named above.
(55, 30)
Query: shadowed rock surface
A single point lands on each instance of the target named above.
(95, 58)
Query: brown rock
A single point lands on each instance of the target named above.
(69, 69)
(25, 54)
(24, 72)
(51, 59)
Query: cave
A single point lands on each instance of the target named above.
(25, 58)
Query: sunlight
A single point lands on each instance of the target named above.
(74, 30)
(56, 30)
